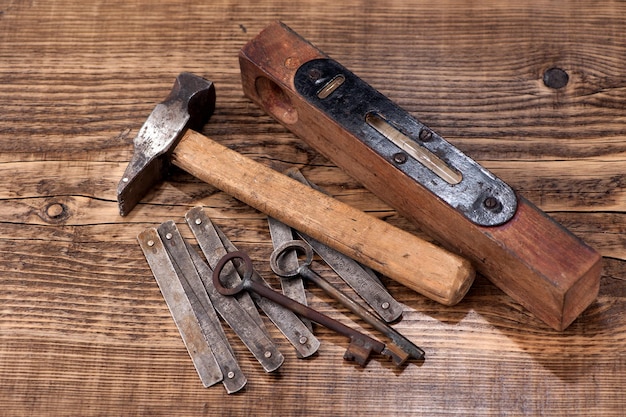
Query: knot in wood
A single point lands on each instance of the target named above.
(555, 78)
(55, 212)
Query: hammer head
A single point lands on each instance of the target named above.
(188, 106)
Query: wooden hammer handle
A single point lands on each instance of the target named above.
(403, 257)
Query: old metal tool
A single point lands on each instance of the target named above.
(233, 378)
(256, 340)
(253, 335)
(215, 245)
(167, 136)
(402, 344)
(468, 209)
(292, 288)
(361, 346)
(181, 308)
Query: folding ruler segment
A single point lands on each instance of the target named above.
(289, 324)
(180, 307)
(234, 379)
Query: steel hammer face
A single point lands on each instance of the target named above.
(189, 105)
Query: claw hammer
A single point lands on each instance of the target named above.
(168, 136)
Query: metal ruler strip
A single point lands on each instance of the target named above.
(255, 338)
(180, 307)
(292, 287)
(289, 324)
(234, 379)
(214, 250)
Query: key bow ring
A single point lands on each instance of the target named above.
(300, 247)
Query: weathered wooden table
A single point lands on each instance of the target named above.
(83, 328)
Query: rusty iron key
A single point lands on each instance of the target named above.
(402, 346)
(361, 346)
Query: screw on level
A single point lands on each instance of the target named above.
(314, 73)
(491, 203)
(400, 158)
(425, 135)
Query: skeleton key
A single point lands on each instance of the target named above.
(402, 346)
(361, 345)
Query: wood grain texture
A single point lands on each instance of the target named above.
(84, 330)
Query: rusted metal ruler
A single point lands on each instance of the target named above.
(214, 245)
(194, 335)
(184, 279)
(256, 338)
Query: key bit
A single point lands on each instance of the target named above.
(358, 352)
(361, 345)
(403, 348)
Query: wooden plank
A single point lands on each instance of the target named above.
(83, 329)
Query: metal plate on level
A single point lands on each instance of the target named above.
(462, 183)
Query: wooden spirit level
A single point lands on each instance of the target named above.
(468, 209)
